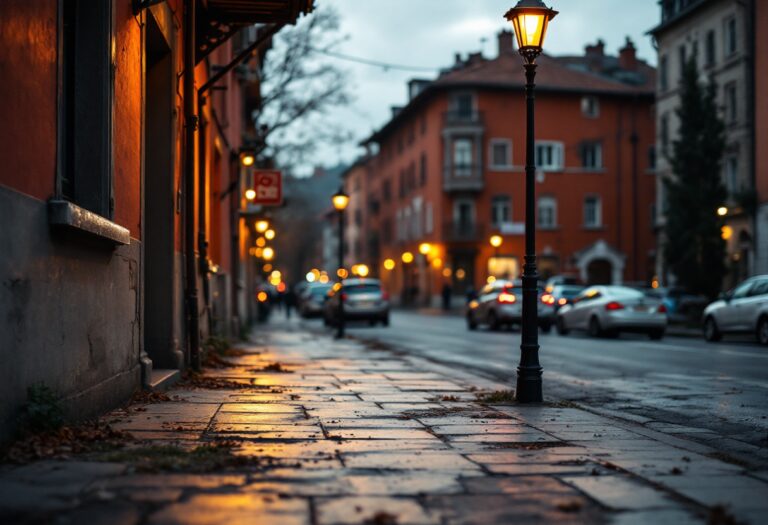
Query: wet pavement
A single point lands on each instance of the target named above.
(344, 432)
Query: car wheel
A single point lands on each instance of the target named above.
(711, 332)
(493, 322)
(594, 327)
(656, 335)
(546, 328)
(561, 328)
(471, 323)
(762, 330)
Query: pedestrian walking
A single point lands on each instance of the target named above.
(447, 292)
(289, 300)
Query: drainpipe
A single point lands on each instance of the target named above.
(190, 123)
(202, 201)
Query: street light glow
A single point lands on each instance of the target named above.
(269, 234)
(262, 225)
(389, 264)
(425, 248)
(407, 257)
(250, 194)
(268, 253)
(496, 241)
(722, 211)
(310, 277)
(247, 160)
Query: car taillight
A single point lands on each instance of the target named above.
(343, 297)
(507, 298)
(384, 296)
(547, 299)
(562, 301)
(662, 309)
(614, 305)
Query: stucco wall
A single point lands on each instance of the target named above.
(68, 314)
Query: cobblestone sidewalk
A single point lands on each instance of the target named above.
(344, 433)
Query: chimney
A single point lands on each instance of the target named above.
(506, 43)
(627, 56)
(594, 55)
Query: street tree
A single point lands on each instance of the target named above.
(694, 247)
(300, 85)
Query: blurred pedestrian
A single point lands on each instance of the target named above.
(447, 292)
(289, 300)
(471, 294)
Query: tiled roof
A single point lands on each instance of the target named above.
(553, 73)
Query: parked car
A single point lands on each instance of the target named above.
(501, 304)
(555, 280)
(562, 294)
(681, 306)
(312, 299)
(609, 310)
(743, 309)
(362, 300)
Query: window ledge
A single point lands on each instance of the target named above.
(596, 228)
(67, 215)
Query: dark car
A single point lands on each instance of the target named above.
(501, 304)
(562, 294)
(312, 299)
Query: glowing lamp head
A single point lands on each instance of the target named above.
(268, 254)
(529, 19)
(340, 200)
(262, 225)
(362, 270)
(407, 257)
(496, 241)
(722, 211)
(247, 159)
(250, 194)
(389, 264)
(425, 248)
(269, 234)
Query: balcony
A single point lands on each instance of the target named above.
(462, 118)
(463, 177)
(463, 231)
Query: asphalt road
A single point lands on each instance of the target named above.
(714, 393)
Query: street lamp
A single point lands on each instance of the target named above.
(530, 19)
(340, 201)
(495, 241)
(262, 225)
(424, 249)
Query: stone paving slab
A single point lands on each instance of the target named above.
(353, 435)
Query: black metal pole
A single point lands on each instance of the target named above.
(529, 369)
(340, 313)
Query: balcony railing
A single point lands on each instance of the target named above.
(463, 231)
(463, 177)
(462, 118)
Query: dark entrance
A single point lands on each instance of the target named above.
(158, 197)
(599, 272)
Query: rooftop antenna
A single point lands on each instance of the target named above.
(483, 41)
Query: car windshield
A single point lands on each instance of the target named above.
(569, 292)
(362, 288)
(319, 291)
(623, 291)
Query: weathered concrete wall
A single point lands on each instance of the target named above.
(68, 314)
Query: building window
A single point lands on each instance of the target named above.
(401, 186)
(464, 216)
(663, 73)
(730, 36)
(463, 105)
(87, 105)
(731, 108)
(386, 190)
(429, 224)
(592, 212)
(501, 210)
(590, 107)
(462, 157)
(651, 157)
(592, 155)
(664, 134)
(732, 174)
(549, 155)
(423, 170)
(709, 49)
(501, 154)
(547, 209)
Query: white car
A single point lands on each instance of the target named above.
(609, 310)
(741, 310)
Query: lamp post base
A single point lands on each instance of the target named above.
(529, 385)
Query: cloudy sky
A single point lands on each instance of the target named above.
(427, 33)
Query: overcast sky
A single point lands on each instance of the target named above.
(427, 34)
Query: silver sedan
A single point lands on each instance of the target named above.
(609, 310)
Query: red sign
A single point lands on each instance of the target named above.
(269, 187)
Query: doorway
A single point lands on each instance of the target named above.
(158, 230)
(599, 271)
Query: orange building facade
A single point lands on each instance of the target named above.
(95, 190)
(448, 174)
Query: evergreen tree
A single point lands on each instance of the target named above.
(694, 248)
